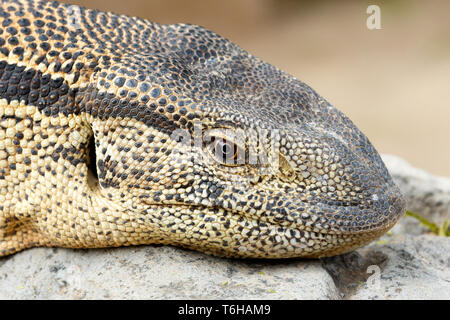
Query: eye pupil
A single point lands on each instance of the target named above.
(225, 151)
(226, 148)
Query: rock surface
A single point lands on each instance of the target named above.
(401, 265)
(426, 194)
(414, 267)
(395, 267)
(155, 272)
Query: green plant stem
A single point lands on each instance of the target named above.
(439, 230)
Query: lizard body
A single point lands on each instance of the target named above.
(94, 111)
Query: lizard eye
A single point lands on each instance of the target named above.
(225, 151)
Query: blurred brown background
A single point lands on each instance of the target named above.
(393, 83)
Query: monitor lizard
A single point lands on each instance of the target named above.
(118, 131)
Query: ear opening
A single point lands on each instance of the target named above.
(92, 160)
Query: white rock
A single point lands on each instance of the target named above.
(411, 268)
(156, 272)
(426, 195)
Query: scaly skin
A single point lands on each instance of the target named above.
(92, 106)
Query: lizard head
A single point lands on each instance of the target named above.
(216, 150)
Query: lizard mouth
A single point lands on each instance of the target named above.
(322, 217)
(247, 236)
